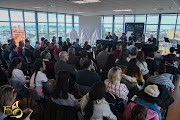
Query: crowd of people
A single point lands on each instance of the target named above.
(120, 84)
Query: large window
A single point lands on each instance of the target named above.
(129, 18)
(42, 25)
(61, 26)
(140, 18)
(17, 25)
(107, 27)
(30, 27)
(52, 25)
(68, 25)
(5, 31)
(152, 19)
(76, 24)
(118, 25)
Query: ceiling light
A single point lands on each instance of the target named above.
(50, 5)
(79, 12)
(125, 10)
(37, 7)
(86, 1)
(179, 7)
(79, 2)
(92, 1)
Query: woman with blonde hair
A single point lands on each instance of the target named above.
(114, 86)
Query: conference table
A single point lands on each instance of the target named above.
(145, 46)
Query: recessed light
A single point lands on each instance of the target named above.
(80, 2)
(86, 1)
(92, 1)
(50, 5)
(125, 10)
(79, 12)
(37, 7)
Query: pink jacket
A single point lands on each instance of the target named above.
(151, 115)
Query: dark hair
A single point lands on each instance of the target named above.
(37, 42)
(132, 68)
(44, 53)
(138, 112)
(84, 53)
(4, 46)
(156, 48)
(60, 37)
(150, 54)
(134, 51)
(21, 43)
(61, 90)
(97, 92)
(124, 55)
(14, 64)
(87, 62)
(124, 45)
(140, 56)
(105, 47)
(161, 68)
(172, 49)
(37, 65)
(13, 47)
(42, 39)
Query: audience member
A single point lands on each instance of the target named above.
(28, 51)
(53, 41)
(99, 48)
(65, 46)
(86, 46)
(68, 42)
(102, 57)
(114, 85)
(61, 96)
(37, 52)
(141, 63)
(56, 51)
(60, 41)
(133, 53)
(63, 65)
(73, 59)
(157, 54)
(172, 56)
(133, 70)
(20, 48)
(46, 55)
(42, 41)
(94, 106)
(87, 76)
(152, 67)
(13, 52)
(122, 60)
(118, 51)
(78, 46)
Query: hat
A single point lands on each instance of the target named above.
(152, 90)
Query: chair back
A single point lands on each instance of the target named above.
(82, 90)
(61, 112)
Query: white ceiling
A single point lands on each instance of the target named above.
(105, 7)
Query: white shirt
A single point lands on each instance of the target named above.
(143, 67)
(40, 77)
(18, 75)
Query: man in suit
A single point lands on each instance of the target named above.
(152, 39)
(109, 36)
(123, 37)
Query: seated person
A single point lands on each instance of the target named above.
(152, 67)
(13, 52)
(123, 37)
(162, 79)
(139, 112)
(141, 63)
(116, 53)
(109, 36)
(99, 48)
(87, 76)
(61, 96)
(115, 38)
(65, 46)
(132, 38)
(73, 59)
(77, 46)
(133, 53)
(28, 52)
(94, 106)
(157, 54)
(148, 98)
(46, 55)
(152, 39)
(56, 51)
(123, 58)
(38, 77)
(172, 56)
(114, 86)
(86, 46)
(133, 70)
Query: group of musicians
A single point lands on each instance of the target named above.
(132, 38)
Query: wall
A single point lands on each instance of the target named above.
(87, 26)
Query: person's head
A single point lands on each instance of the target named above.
(37, 45)
(9, 41)
(60, 38)
(99, 47)
(84, 54)
(114, 74)
(7, 96)
(172, 49)
(87, 64)
(118, 47)
(132, 68)
(46, 54)
(109, 33)
(61, 90)
(42, 39)
(124, 55)
(150, 54)
(156, 48)
(77, 40)
(63, 55)
(45, 42)
(39, 65)
(27, 44)
(26, 40)
(161, 68)
(48, 44)
(12, 42)
(5, 47)
(14, 48)
(138, 112)
(71, 51)
(114, 35)
(134, 51)
(140, 56)
(21, 43)
(67, 40)
(56, 46)
(123, 34)
(124, 45)
(105, 47)
(16, 63)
